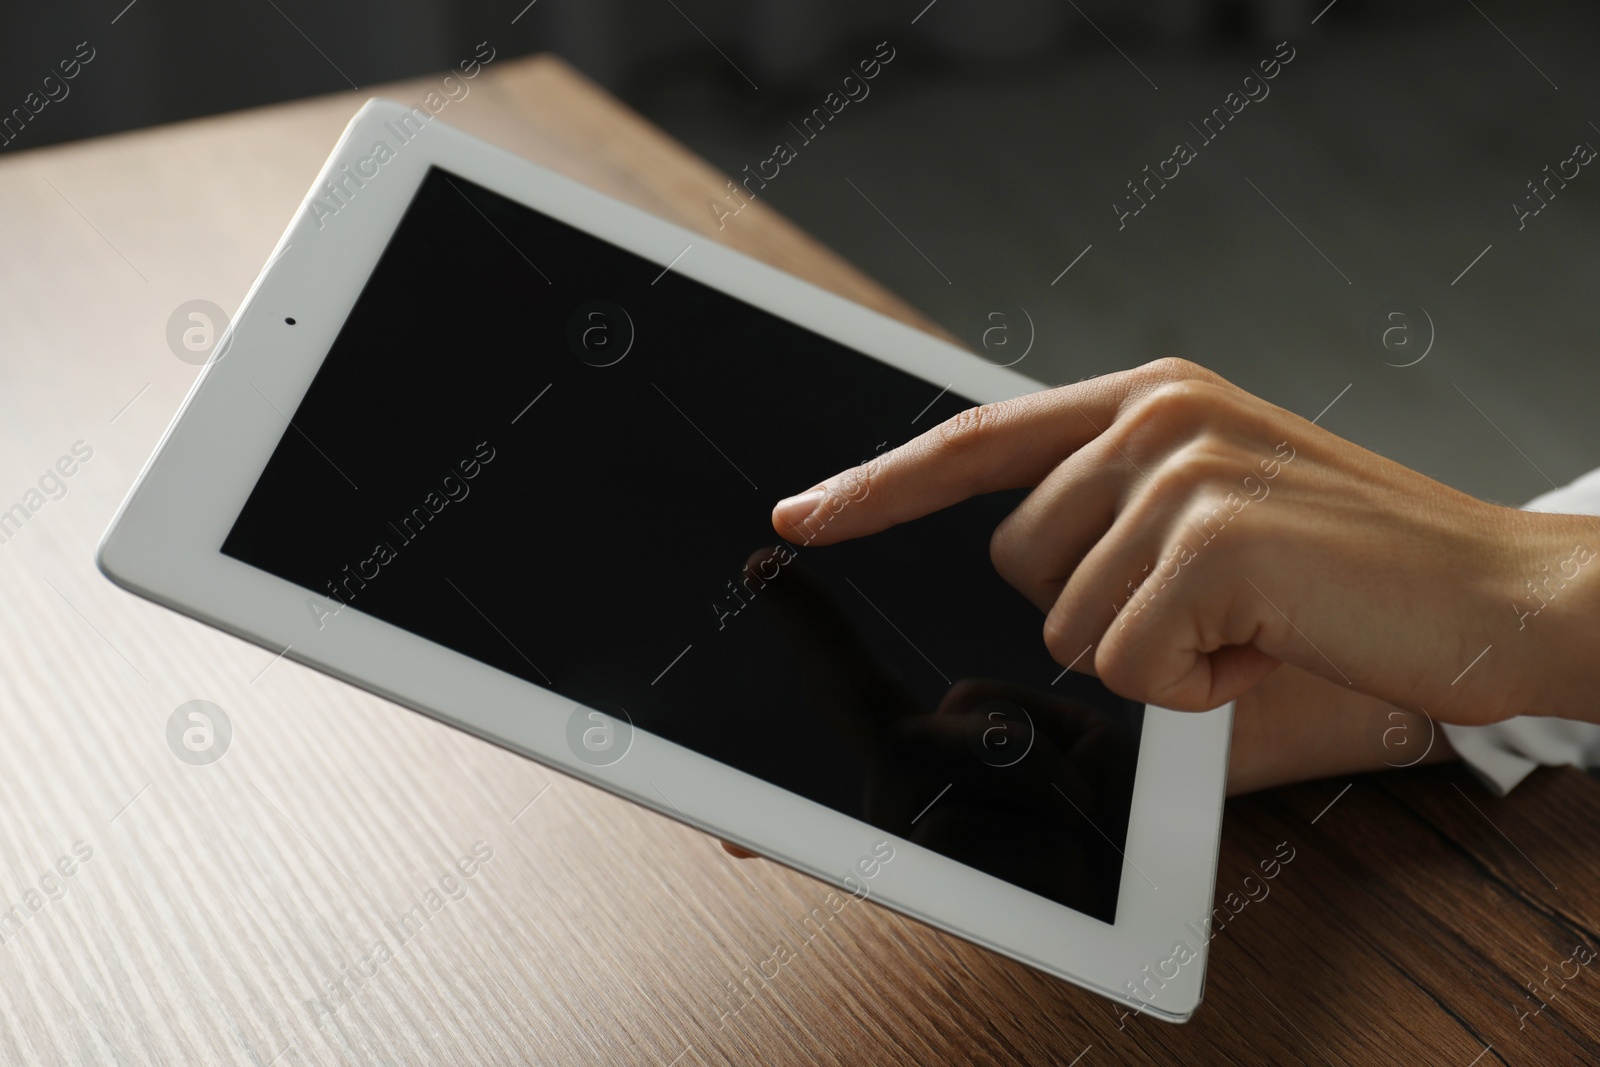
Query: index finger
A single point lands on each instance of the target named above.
(1012, 444)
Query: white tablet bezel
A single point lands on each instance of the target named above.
(164, 545)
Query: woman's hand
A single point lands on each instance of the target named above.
(1184, 538)
(1295, 727)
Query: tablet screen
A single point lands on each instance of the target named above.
(555, 457)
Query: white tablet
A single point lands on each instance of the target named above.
(504, 451)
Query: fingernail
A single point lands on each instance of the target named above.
(792, 511)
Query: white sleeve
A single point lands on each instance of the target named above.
(1505, 753)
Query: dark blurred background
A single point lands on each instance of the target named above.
(1386, 160)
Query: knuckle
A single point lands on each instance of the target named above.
(1201, 465)
(1003, 550)
(966, 431)
(1200, 487)
(1187, 401)
(1169, 368)
(1175, 369)
(1120, 672)
(1157, 418)
(1217, 513)
(1211, 514)
(1016, 564)
(1167, 413)
(1058, 638)
(853, 486)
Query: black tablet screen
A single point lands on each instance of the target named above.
(553, 456)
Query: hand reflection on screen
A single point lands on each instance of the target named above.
(1029, 786)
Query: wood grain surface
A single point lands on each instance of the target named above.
(302, 900)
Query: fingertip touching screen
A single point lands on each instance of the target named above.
(551, 455)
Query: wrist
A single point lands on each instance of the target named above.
(1296, 727)
(1551, 625)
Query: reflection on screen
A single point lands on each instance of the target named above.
(549, 454)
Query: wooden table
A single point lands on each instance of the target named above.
(228, 913)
